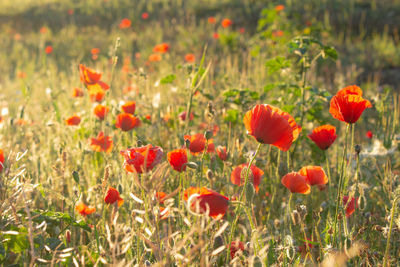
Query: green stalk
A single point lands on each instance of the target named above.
(392, 213)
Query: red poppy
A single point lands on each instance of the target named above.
(207, 201)
(148, 117)
(270, 125)
(226, 23)
(77, 92)
(73, 120)
(210, 146)
(178, 159)
(48, 49)
(182, 116)
(43, 30)
(348, 104)
(212, 20)
(96, 94)
(190, 58)
(197, 143)
(161, 48)
(155, 57)
(351, 207)
(136, 158)
(279, 8)
(145, 15)
(127, 122)
(129, 107)
(125, 23)
(83, 209)
(238, 175)
(95, 51)
(92, 81)
(100, 111)
(277, 33)
(369, 134)
(221, 152)
(315, 175)
(70, 12)
(215, 35)
(101, 143)
(113, 196)
(1, 160)
(160, 197)
(242, 30)
(323, 136)
(235, 247)
(296, 183)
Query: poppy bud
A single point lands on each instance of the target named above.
(192, 165)
(187, 143)
(250, 192)
(209, 174)
(68, 236)
(357, 149)
(208, 134)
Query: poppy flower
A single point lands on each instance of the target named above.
(238, 175)
(351, 206)
(100, 111)
(207, 201)
(270, 125)
(142, 159)
(70, 12)
(369, 134)
(91, 78)
(160, 197)
(129, 107)
(125, 23)
(1, 160)
(348, 104)
(48, 49)
(315, 175)
(279, 8)
(221, 152)
(145, 15)
(96, 94)
(296, 183)
(182, 116)
(155, 57)
(277, 33)
(178, 159)
(77, 92)
(242, 30)
(161, 48)
(226, 23)
(73, 120)
(113, 196)
(95, 51)
(83, 209)
(197, 143)
(216, 35)
(43, 30)
(190, 58)
(127, 122)
(101, 143)
(235, 247)
(323, 136)
(148, 117)
(210, 146)
(211, 20)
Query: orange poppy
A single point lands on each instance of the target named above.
(190, 58)
(1, 160)
(161, 48)
(279, 8)
(91, 79)
(83, 209)
(145, 15)
(197, 143)
(178, 159)
(215, 35)
(211, 20)
(101, 143)
(235, 247)
(296, 183)
(100, 111)
(277, 33)
(207, 201)
(226, 23)
(160, 197)
(127, 122)
(70, 12)
(348, 104)
(77, 92)
(96, 94)
(73, 120)
(48, 49)
(210, 146)
(125, 23)
(95, 51)
(351, 206)
(155, 57)
(270, 125)
(221, 152)
(182, 116)
(129, 107)
(43, 30)
(113, 196)
(142, 159)
(238, 175)
(315, 175)
(323, 136)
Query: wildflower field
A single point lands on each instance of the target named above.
(199, 133)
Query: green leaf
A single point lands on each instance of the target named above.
(53, 217)
(75, 175)
(232, 115)
(329, 51)
(276, 64)
(168, 79)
